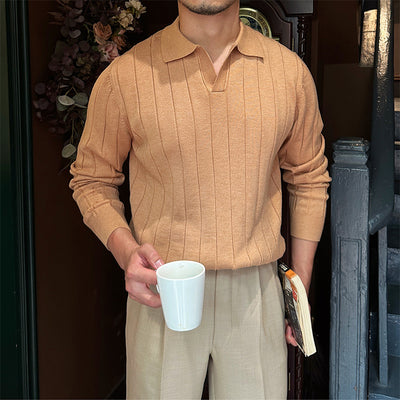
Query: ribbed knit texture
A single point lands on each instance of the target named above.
(205, 152)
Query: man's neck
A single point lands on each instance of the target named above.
(215, 33)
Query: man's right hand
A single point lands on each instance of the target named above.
(139, 264)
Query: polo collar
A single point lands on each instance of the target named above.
(174, 45)
(248, 42)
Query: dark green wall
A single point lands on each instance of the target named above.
(18, 304)
(11, 370)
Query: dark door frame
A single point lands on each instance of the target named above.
(19, 364)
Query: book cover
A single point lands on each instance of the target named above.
(296, 309)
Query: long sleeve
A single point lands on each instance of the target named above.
(304, 164)
(97, 171)
(205, 158)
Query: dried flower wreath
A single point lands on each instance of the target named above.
(94, 32)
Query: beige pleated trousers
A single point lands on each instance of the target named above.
(240, 342)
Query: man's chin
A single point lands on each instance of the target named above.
(204, 8)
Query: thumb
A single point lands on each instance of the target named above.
(149, 253)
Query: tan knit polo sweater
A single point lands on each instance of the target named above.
(205, 151)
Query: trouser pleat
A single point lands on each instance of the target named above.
(242, 330)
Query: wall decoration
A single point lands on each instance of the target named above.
(256, 20)
(92, 34)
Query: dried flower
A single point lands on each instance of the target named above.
(92, 34)
(135, 4)
(125, 18)
(119, 40)
(101, 32)
(109, 51)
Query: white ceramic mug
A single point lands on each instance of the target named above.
(181, 288)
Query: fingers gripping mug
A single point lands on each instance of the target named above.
(181, 288)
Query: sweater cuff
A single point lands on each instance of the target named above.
(308, 226)
(104, 219)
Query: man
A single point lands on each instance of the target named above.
(208, 111)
